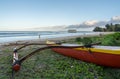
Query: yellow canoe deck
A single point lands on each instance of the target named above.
(103, 49)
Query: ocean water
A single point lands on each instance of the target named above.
(11, 36)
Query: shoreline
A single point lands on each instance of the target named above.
(63, 38)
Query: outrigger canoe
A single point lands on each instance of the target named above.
(100, 55)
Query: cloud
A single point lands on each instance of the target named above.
(94, 23)
(50, 28)
(87, 25)
(115, 19)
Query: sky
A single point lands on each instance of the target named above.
(21, 15)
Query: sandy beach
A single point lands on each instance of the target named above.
(40, 40)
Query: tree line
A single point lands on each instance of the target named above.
(108, 28)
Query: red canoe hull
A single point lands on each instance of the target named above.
(104, 59)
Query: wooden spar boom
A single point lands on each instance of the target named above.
(27, 44)
(17, 44)
(17, 62)
(46, 47)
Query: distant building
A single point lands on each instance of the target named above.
(72, 31)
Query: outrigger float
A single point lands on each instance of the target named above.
(93, 53)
